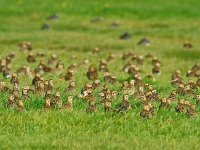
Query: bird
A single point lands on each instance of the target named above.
(60, 65)
(71, 86)
(198, 82)
(156, 69)
(115, 24)
(155, 61)
(144, 41)
(84, 63)
(16, 87)
(97, 20)
(165, 103)
(47, 104)
(128, 87)
(16, 95)
(3, 87)
(45, 26)
(173, 95)
(96, 84)
(69, 103)
(96, 50)
(20, 106)
(110, 57)
(8, 60)
(48, 94)
(191, 73)
(12, 55)
(57, 101)
(147, 111)
(125, 36)
(24, 70)
(187, 45)
(107, 106)
(31, 58)
(176, 82)
(103, 66)
(197, 97)
(14, 78)
(140, 59)
(50, 85)
(11, 101)
(53, 17)
(110, 79)
(40, 87)
(6, 73)
(25, 92)
(91, 108)
(69, 75)
(125, 104)
(149, 55)
(36, 79)
(181, 107)
(25, 46)
(92, 73)
(40, 54)
(52, 60)
(191, 111)
(72, 66)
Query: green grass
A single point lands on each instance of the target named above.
(167, 24)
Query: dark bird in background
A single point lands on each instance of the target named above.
(45, 26)
(97, 20)
(144, 42)
(125, 36)
(53, 17)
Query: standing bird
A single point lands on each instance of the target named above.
(47, 104)
(92, 73)
(197, 97)
(156, 68)
(191, 111)
(181, 107)
(11, 101)
(14, 78)
(96, 84)
(69, 75)
(165, 103)
(20, 106)
(31, 58)
(69, 104)
(91, 107)
(52, 59)
(71, 86)
(25, 92)
(56, 101)
(125, 104)
(144, 42)
(25, 46)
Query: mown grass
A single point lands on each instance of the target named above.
(167, 24)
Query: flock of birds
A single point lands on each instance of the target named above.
(134, 88)
(114, 24)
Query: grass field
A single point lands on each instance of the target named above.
(168, 24)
